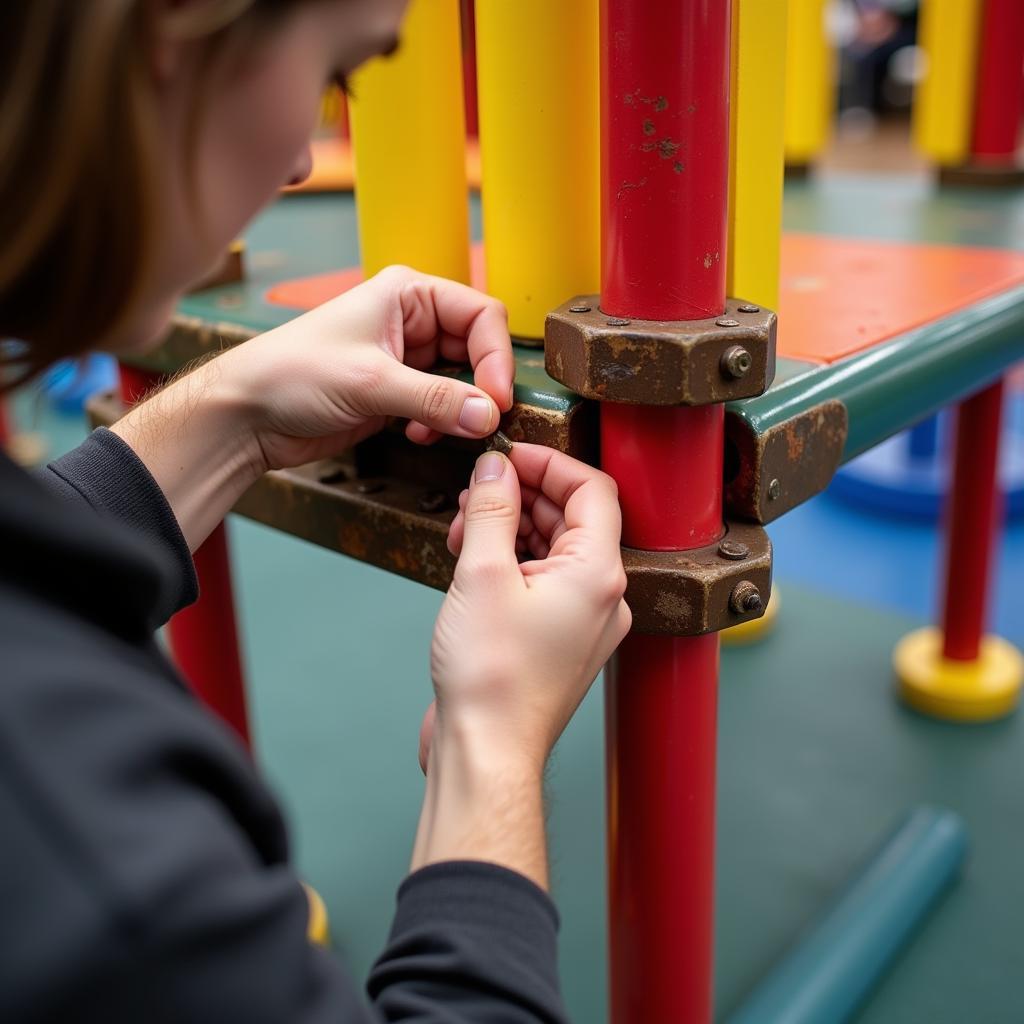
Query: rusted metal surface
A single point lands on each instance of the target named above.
(387, 522)
(982, 175)
(655, 362)
(769, 473)
(189, 339)
(687, 593)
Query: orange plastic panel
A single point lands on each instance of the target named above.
(307, 292)
(840, 296)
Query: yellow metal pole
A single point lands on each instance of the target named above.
(537, 82)
(810, 81)
(409, 140)
(756, 128)
(756, 150)
(944, 103)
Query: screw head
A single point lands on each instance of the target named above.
(370, 486)
(748, 308)
(733, 550)
(725, 321)
(579, 309)
(618, 322)
(433, 501)
(745, 598)
(736, 362)
(774, 489)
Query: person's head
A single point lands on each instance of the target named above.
(140, 136)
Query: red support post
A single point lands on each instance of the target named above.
(204, 636)
(664, 128)
(468, 23)
(973, 518)
(5, 424)
(999, 97)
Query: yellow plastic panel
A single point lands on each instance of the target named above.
(408, 132)
(943, 105)
(537, 84)
(810, 80)
(756, 151)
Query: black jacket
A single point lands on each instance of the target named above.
(144, 870)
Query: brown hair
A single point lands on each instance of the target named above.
(78, 143)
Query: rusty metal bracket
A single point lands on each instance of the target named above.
(656, 362)
(687, 593)
(402, 526)
(770, 472)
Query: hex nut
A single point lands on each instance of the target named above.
(745, 598)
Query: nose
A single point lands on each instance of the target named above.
(303, 167)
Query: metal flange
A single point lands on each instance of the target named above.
(688, 593)
(661, 362)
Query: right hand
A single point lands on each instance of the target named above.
(517, 645)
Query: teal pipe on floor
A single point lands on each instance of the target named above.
(834, 966)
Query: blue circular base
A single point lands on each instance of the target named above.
(887, 480)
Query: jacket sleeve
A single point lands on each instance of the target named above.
(104, 474)
(471, 942)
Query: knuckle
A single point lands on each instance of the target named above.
(613, 586)
(611, 484)
(487, 509)
(437, 400)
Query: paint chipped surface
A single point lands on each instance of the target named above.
(628, 186)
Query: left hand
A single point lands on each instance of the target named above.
(332, 377)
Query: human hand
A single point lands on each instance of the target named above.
(332, 377)
(517, 645)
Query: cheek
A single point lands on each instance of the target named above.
(255, 145)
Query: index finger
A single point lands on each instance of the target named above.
(588, 497)
(464, 312)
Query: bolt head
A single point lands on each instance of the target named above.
(579, 309)
(733, 550)
(618, 322)
(736, 362)
(774, 489)
(748, 308)
(725, 321)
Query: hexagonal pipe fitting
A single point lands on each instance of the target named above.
(655, 362)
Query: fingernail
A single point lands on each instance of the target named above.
(489, 466)
(476, 415)
(512, 395)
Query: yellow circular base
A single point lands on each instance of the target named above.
(959, 691)
(318, 930)
(755, 630)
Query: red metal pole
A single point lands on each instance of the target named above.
(204, 636)
(664, 126)
(5, 424)
(999, 98)
(468, 22)
(973, 517)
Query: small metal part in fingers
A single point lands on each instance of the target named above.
(498, 442)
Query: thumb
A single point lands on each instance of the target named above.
(442, 403)
(491, 519)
